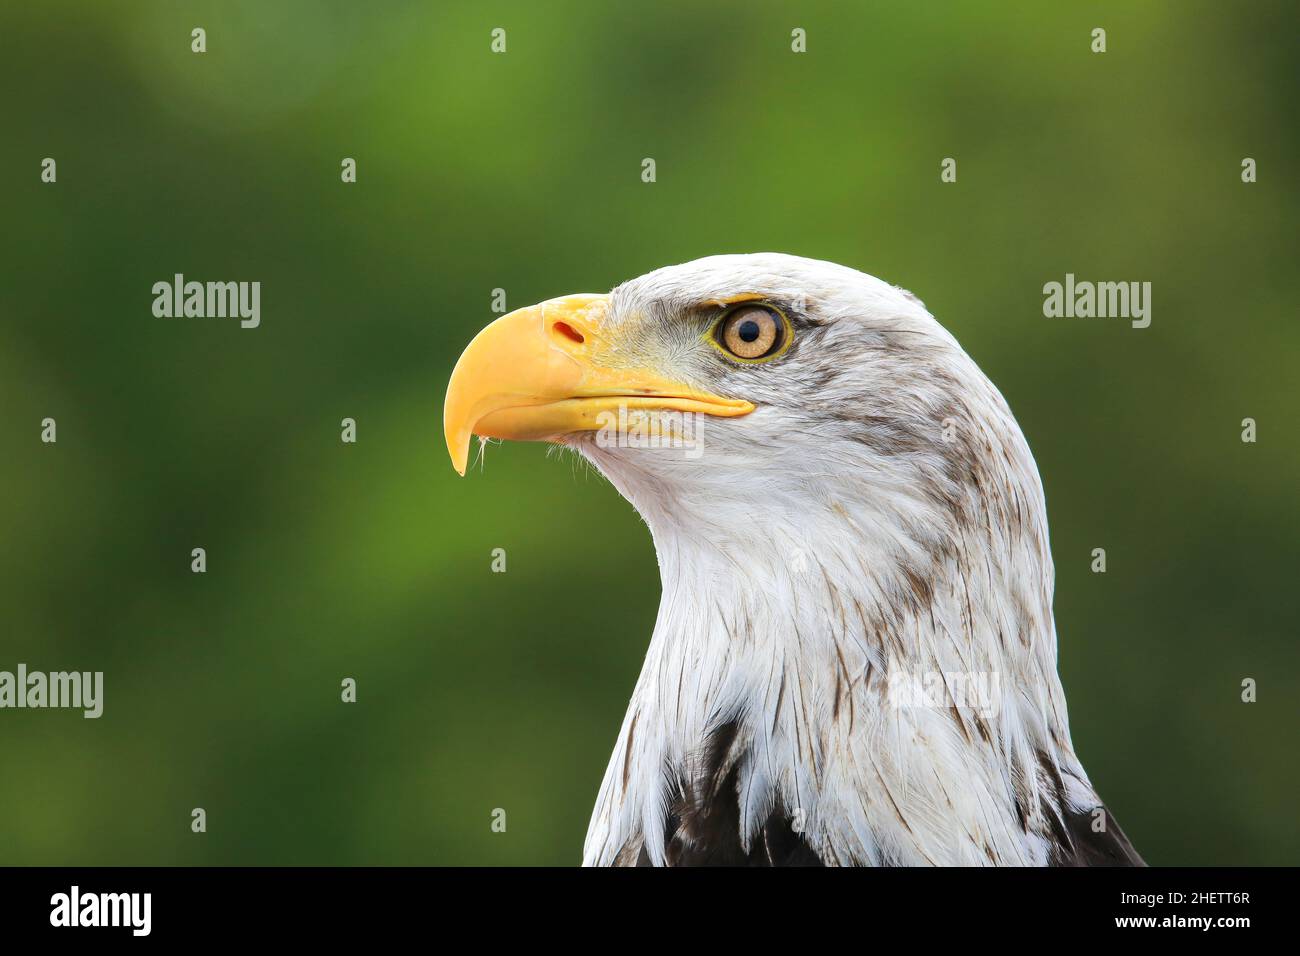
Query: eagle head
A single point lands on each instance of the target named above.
(855, 656)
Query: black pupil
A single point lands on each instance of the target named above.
(749, 330)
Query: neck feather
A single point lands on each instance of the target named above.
(877, 661)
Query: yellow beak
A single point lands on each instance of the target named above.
(549, 370)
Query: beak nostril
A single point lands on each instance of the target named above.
(568, 331)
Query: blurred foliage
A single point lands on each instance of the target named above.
(521, 171)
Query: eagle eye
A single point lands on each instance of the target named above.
(752, 333)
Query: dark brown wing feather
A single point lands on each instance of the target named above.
(1078, 843)
(1086, 837)
(703, 827)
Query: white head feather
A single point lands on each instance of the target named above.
(877, 518)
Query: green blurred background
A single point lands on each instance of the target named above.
(522, 171)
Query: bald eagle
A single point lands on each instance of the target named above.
(854, 660)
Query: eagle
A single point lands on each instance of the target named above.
(854, 658)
